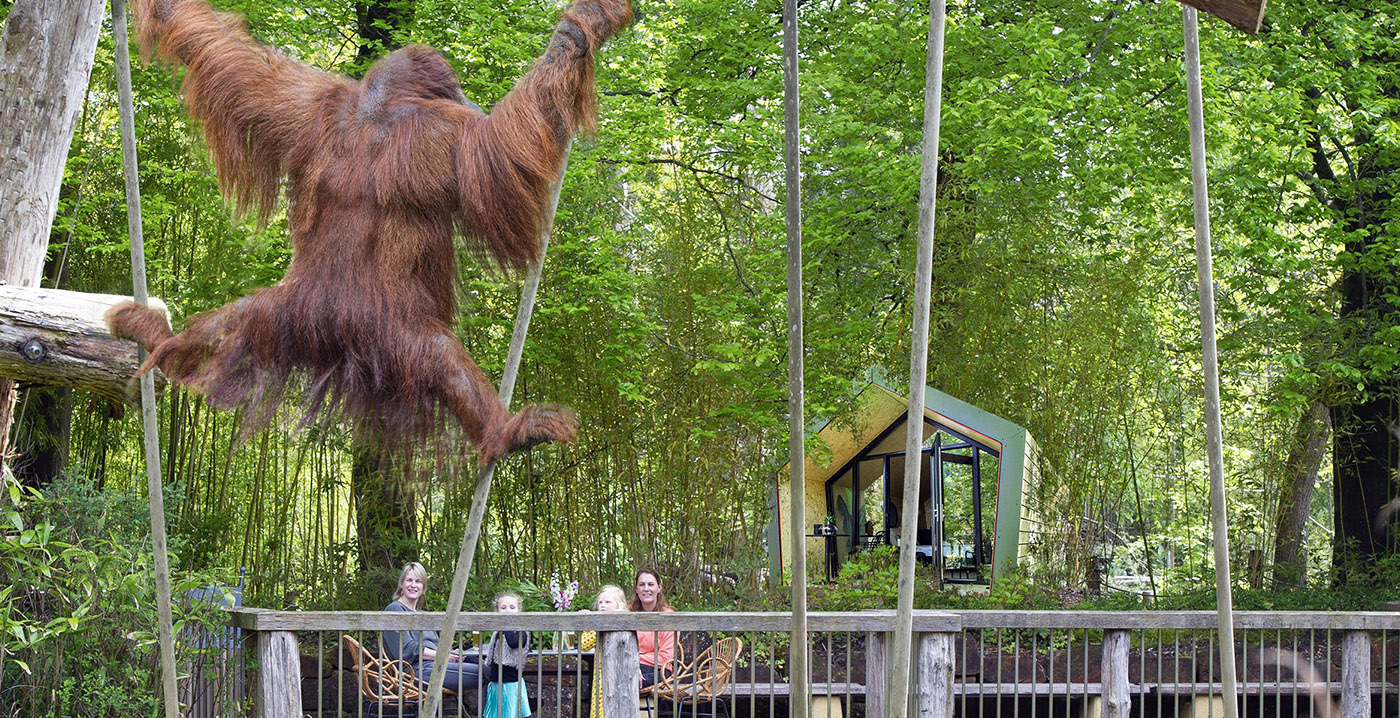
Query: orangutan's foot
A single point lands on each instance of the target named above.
(533, 425)
(141, 324)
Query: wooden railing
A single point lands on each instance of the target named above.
(961, 657)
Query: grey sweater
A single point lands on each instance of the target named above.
(407, 645)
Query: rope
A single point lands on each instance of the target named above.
(483, 481)
(901, 645)
(150, 429)
(1209, 363)
(792, 159)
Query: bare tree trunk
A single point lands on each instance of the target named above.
(46, 55)
(1309, 446)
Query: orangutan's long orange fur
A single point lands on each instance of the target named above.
(379, 176)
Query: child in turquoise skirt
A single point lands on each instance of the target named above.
(504, 665)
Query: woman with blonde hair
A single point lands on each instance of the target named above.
(420, 648)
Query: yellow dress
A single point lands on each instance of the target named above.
(588, 641)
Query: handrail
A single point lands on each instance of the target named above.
(255, 619)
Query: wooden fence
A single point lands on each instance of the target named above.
(1016, 663)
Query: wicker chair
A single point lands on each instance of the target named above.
(384, 683)
(698, 688)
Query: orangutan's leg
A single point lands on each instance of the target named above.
(182, 357)
(494, 430)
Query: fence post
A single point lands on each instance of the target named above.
(1117, 699)
(875, 643)
(279, 675)
(1356, 675)
(619, 673)
(936, 675)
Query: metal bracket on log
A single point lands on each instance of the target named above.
(1247, 15)
(60, 338)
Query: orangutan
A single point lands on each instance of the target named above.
(380, 175)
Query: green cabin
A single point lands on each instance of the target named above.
(977, 469)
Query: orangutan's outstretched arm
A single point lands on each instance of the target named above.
(508, 160)
(253, 102)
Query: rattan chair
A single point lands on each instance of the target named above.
(384, 683)
(698, 688)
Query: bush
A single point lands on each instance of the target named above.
(78, 605)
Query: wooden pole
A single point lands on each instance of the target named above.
(477, 515)
(1209, 364)
(902, 640)
(618, 661)
(150, 429)
(800, 701)
(936, 662)
(1117, 698)
(1356, 675)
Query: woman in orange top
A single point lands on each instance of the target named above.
(656, 649)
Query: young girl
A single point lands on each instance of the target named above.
(505, 662)
(610, 598)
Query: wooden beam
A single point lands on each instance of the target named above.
(60, 338)
(1247, 15)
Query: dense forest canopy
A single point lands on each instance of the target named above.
(1063, 297)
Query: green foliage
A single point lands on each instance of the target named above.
(1063, 290)
(78, 614)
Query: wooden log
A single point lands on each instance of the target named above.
(1117, 700)
(279, 675)
(57, 337)
(1356, 675)
(875, 672)
(619, 673)
(936, 675)
(1246, 15)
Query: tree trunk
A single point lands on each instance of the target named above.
(384, 505)
(1290, 526)
(46, 56)
(1364, 452)
(385, 518)
(41, 439)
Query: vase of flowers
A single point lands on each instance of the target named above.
(563, 598)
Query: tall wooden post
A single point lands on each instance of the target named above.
(1209, 364)
(902, 640)
(800, 701)
(150, 429)
(433, 701)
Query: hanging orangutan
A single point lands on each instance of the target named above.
(380, 175)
